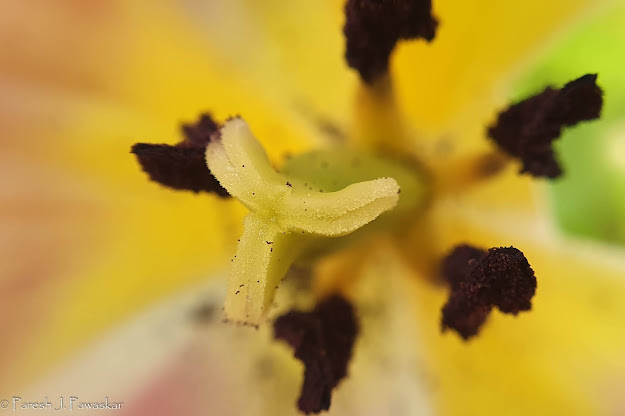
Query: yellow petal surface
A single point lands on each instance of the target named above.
(87, 240)
(450, 89)
(91, 239)
(84, 248)
(298, 51)
(566, 356)
(479, 47)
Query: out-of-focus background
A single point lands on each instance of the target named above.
(104, 275)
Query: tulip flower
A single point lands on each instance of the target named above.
(359, 188)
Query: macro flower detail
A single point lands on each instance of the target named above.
(322, 339)
(373, 27)
(375, 188)
(289, 216)
(114, 267)
(480, 280)
(182, 166)
(527, 129)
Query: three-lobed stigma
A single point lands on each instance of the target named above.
(289, 217)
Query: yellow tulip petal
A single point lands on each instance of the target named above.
(64, 44)
(167, 70)
(113, 238)
(556, 359)
(479, 46)
(163, 75)
(100, 232)
(299, 47)
(450, 89)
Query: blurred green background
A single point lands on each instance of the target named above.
(589, 200)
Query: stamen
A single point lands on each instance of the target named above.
(527, 129)
(323, 341)
(373, 27)
(182, 166)
(461, 174)
(481, 280)
(199, 134)
(458, 264)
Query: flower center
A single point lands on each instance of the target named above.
(302, 211)
(321, 201)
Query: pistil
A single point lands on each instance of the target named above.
(298, 212)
